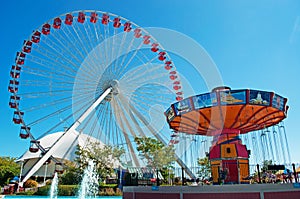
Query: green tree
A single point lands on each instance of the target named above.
(72, 174)
(8, 169)
(155, 152)
(157, 155)
(104, 157)
(265, 164)
(205, 169)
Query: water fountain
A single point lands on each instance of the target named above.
(89, 186)
(53, 189)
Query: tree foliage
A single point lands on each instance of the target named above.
(205, 169)
(72, 175)
(8, 169)
(265, 164)
(105, 157)
(155, 152)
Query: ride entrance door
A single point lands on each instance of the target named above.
(230, 171)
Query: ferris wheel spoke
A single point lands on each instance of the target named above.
(135, 52)
(53, 114)
(55, 126)
(105, 44)
(58, 112)
(95, 55)
(84, 37)
(60, 51)
(47, 104)
(43, 94)
(144, 75)
(77, 48)
(83, 51)
(126, 52)
(63, 50)
(140, 98)
(87, 48)
(82, 48)
(48, 92)
(140, 58)
(113, 53)
(45, 74)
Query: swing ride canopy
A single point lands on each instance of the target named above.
(226, 110)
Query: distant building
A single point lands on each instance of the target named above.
(65, 151)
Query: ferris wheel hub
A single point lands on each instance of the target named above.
(113, 84)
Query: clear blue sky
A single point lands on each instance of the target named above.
(255, 44)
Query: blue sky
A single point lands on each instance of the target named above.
(255, 44)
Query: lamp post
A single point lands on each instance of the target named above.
(21, 171)
(46, 167)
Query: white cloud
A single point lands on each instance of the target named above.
(296, 30)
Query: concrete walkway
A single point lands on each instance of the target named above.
(246, 191)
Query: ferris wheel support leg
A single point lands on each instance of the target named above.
(130, 147)
(178, 160)
(61, 140)
(132, 152)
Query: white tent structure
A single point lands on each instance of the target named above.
(65, 151)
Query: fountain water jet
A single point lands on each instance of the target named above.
(89, 187)
(53, 189)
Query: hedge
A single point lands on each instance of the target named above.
(72, 190)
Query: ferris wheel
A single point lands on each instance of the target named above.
(94, 72)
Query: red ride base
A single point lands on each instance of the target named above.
(229, 158)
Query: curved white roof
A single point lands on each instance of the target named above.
(65, 150)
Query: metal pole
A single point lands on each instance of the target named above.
(157, 178)
(182, 175)
(46, 166)
(295, 173)
(21, 171)
(120, 176)
(258, 173)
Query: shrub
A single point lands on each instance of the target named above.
(30, 184)
(27, 193)
(43, 191)
(48, 182)
(109, 192)
(118, 192)
(72, 190)
(67, 190)
(63, 190)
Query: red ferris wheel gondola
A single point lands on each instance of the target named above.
(14, 101)
(27, 46)
(94, 17)
(69, 19)
(24, 132)
(81, 17)
(57, 23)
(34, 146)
